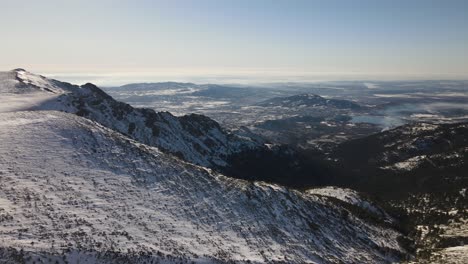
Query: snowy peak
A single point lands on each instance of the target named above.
(29, 80)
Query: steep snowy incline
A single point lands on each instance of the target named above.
(71, 188)
(195, 138)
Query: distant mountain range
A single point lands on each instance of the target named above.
(213, 91)
(309, 100)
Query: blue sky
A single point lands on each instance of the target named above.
(342, 39)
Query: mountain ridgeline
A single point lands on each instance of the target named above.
(194, 138)
(414, 155)
(80, 184)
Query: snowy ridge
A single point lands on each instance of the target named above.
(195, 138)
(72, 189)
(351, 197)
(38, 81)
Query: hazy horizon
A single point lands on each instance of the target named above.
(108, 79)
(237, 41)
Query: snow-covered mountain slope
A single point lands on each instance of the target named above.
(19, 96)
(352, 197)
(71, 189)
(196, 138)
(421, 170)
